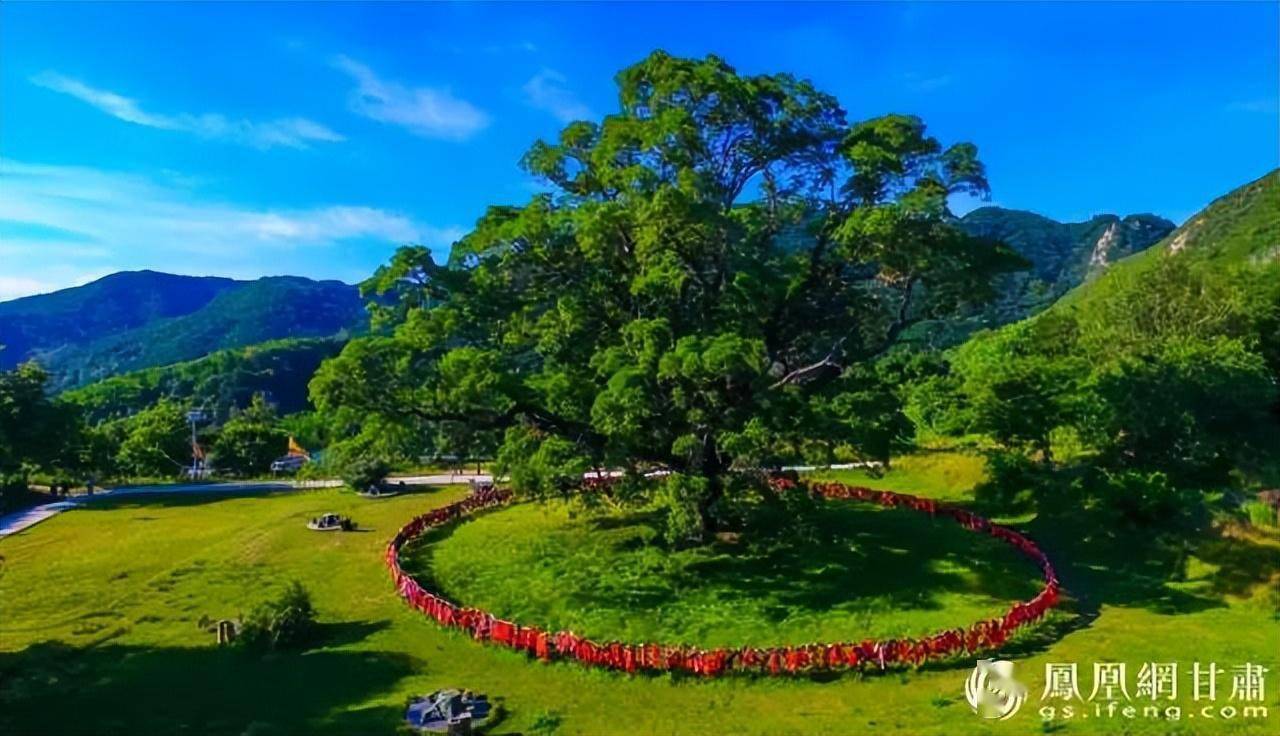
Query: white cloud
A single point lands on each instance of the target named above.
(12, 287)
(424, 111)
(95, 221)
(547, 91)
(59, 277)
(289, 132)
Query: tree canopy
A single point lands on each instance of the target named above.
(715, 267)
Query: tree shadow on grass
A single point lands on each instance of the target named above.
(1104, 566)
(341, 633)
(52, 688)
(177, 499)
(857, 553)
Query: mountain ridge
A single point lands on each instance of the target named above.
(139, 319)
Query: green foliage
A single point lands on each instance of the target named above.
(220, 382)
(681, 496)
(646, 314)
(1164, 364)
(286, 622)
(362, 473)
(1062, 255)
(30, 423)
(250, 440)
(540, 466)
(1189, 406)
(1260, 514)
(310, 428)
(250, 313)
(156, 441)
(14, 493)
(1014, 482)
(368, 397)
(36, 434)
(1023, 382)
(108, 306)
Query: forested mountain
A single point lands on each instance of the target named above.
(1169, 362)
(1062, 254)
(238, 314)
(1230, 249)
(1059, 255)
(218, 383)
(108, 306)
(1240, 230)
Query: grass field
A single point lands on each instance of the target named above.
(98, 633)
(863, 572)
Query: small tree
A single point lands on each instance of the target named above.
(1023, 382)
(250, 440)
(364, 472)
(287, 622)
(157, 441)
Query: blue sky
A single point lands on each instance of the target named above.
(247, 140)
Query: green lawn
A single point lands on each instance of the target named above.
(98, 634)
(864, 572)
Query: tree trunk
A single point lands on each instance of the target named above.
(713, 472)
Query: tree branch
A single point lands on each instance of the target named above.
(901, 321)
(801, 374)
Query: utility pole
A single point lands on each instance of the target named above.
(195, 416)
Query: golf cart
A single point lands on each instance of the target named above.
(452, 711)
(331, 523)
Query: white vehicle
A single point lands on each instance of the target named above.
(288, 464)
(330, 523)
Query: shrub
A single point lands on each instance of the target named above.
(13, 491)
(679, 495)
(287, 622)
(1259, 514)
(1014, 483)
(364, 472)
(1151, 500)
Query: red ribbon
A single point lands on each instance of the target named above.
(630, 658)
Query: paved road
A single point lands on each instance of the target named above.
(20, 520)
(27, 518)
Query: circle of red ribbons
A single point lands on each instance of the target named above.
(783, 660)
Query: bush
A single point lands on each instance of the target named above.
(1150, 500)
(365, 472)
(1260, 514)
(288, 622)
(1014, 483)
(13, 491)
(679, 496)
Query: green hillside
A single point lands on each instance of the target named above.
(1239, 231)
(1060, 257)
(227, 379)
(258, 311)
(1169, 362)
(108, 306)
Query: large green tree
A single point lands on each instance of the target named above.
(250, 439)
(157, 441)
(33, 430)
(28, 419)
(713, 264)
